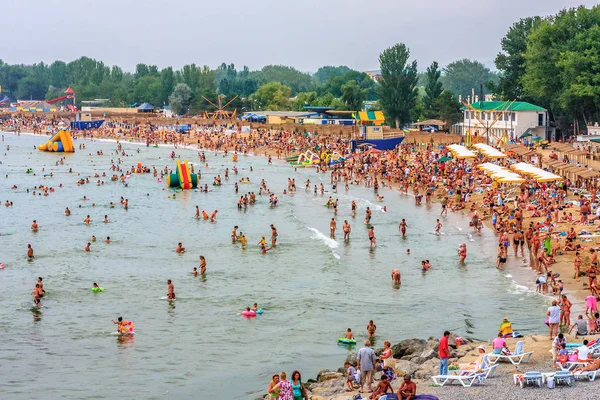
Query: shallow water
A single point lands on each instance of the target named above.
(311, 287)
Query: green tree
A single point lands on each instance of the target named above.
(398, 84)
(167, 84)
(461, 76)
(179, 100)
(304, 99)
(433, 88)
(324, 73)
(511, 62)
(353, 95)
(562, 65)
(272, 96)
(448, 108)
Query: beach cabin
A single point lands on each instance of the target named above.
(502, 121)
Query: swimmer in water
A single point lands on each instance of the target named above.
(87, 220)
(347, 229)
(107, 240)
(234, 235)
(273, 236)
(408, 252)
(197, 214)
(93, 238)
(403, 225)
(396, 277)
(180, 249)
(30, 252)
(87, 247)
(67, 212)
(438, 226)
(120, 324)
(170, 290)
(34, 226)
(202, 265)
(255, 307)
(106, 219)
(372, 238)
(213, 216)
(332, 227)
(349, 334)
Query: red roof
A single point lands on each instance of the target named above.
(69, 91)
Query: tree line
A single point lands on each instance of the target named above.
(274, 87)
(551, 61)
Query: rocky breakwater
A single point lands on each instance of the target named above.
(415, 357)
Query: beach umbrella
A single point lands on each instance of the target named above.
(443, 159)
(526, 134)
(536, 139)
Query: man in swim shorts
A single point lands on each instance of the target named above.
(347, 229)
(170, 290)
(180, 249)
(34, 226)
(372, 238)
(29, 251)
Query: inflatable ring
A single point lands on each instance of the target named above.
(346, 341)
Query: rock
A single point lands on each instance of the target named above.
(325, 375)
(328, 388)
(408, 347)
(427, 354)
(452, 341)
(404, 367)
(379, 351)
(458, 354)
(433, 343)
(342, 370)
(351, 358)
(428, 369)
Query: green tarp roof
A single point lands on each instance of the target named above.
(502, 105)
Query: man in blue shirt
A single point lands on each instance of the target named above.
(365, 358)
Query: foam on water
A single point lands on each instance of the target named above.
(331, 243)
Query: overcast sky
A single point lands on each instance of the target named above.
(303, 34)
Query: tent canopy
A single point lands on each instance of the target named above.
(146, 107)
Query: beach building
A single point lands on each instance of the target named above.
(499, 121)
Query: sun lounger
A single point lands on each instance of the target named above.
(528, 378)
(465, 380)
(590, 375)
(487, 369)
(516, 358)
(563, 378)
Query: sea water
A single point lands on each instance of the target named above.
(311, 287)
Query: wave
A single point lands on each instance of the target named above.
(331, 243)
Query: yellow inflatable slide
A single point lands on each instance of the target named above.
(61, 142)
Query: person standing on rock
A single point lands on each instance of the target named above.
(365, 358)
(444, 353)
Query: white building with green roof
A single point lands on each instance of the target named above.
(512, 120)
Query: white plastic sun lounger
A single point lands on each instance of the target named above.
(516, 358)
(590, 375)
(487, 369)
(528, 378)
(465, 380)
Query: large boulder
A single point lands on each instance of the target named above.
(427, 354)
(404, 367)
(328, 388)
(433, 343)
(428, 369)
(408, 347)
(326, 375)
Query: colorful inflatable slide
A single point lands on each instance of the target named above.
(183, 178)
(61, 142)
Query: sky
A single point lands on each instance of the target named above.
(304, 34)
